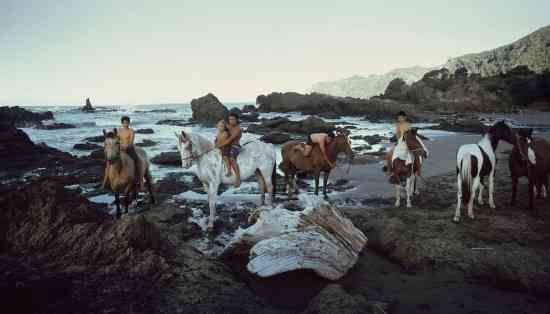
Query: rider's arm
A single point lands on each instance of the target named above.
(324, 152)
(232, 136)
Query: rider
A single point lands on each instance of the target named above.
(126, 137)
(223, 134)
(322, 139)
(233, 142)
(402, 126)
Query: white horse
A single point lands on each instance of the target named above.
(407, 157)
(476, 161)
(255, 158)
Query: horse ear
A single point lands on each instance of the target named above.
(414, 130)
(104, 133)
(115, 131)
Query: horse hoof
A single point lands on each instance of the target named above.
(456, 220)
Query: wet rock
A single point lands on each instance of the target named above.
(249, 108)
(98, 154)
(461, 125)
(55, 126)
(20, 117)
(190, 230)
(87, 146)
(95, 139)
(173, 184)
(306, 126)
(88, 106)
(145, 131)
(146, 143)
(167, 159)
(208, 110)
(174, 122)
(334, 299)
(276, 138)
(362, 148)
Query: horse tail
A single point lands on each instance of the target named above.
(466, 177)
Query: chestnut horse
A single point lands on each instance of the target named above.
(294, 161)
(406, 162)
(530, 158)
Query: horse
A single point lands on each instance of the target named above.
(120, 171)
(294, 161)
(256, 158)
(476, 161)
(530, 158)
(407, 159)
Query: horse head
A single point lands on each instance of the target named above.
(185, 148)
(342, 143)
(501, 131)
(525, 145)
(111, 146)
(413, 143)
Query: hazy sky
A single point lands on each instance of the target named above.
(128, 52)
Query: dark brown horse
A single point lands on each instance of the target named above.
(530, 158)
(406, 164)
(294, 161)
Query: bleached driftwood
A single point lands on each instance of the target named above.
(319, 238)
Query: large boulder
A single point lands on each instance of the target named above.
(334, 299)
(208, 110)
(20, 117)
(145, 131)
(18, 152)
(146, 143)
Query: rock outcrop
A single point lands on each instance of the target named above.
(442, 90)
(320, 104)
(55, 126)
(367, 86)
(308, 125)
(20, 117)
(208, 110)
(167, 159)
(532, 51)
(88, 106)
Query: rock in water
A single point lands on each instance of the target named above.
(55, 126)
(167, 159)
(276, 138)
(88, 107)
(87, 146)
(145, 131)
(208, 110)
(319, 238)
(20, 117)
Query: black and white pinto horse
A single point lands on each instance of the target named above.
(476, 161)
(256, 158)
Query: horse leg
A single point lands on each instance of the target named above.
(409, 189)
(514, 189)
(397, 195)
(458, 198)
(480, 196)
(128, 200)
(150, 187)
(317, 175)
(261, 182)
(475, 186)
(325, 182)
(117, 203)
(544, 186)
(492, 189)
(269, 184)
(212, 195)
(531, 192)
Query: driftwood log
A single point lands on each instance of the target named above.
(319, 238)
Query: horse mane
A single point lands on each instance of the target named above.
(200, 142)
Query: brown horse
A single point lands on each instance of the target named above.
(120, 171)
(294, 161)
(530, 158)
(406, 164)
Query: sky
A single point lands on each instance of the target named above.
(59, 52)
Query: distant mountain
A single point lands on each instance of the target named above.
(532, 50)
(364, 87)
